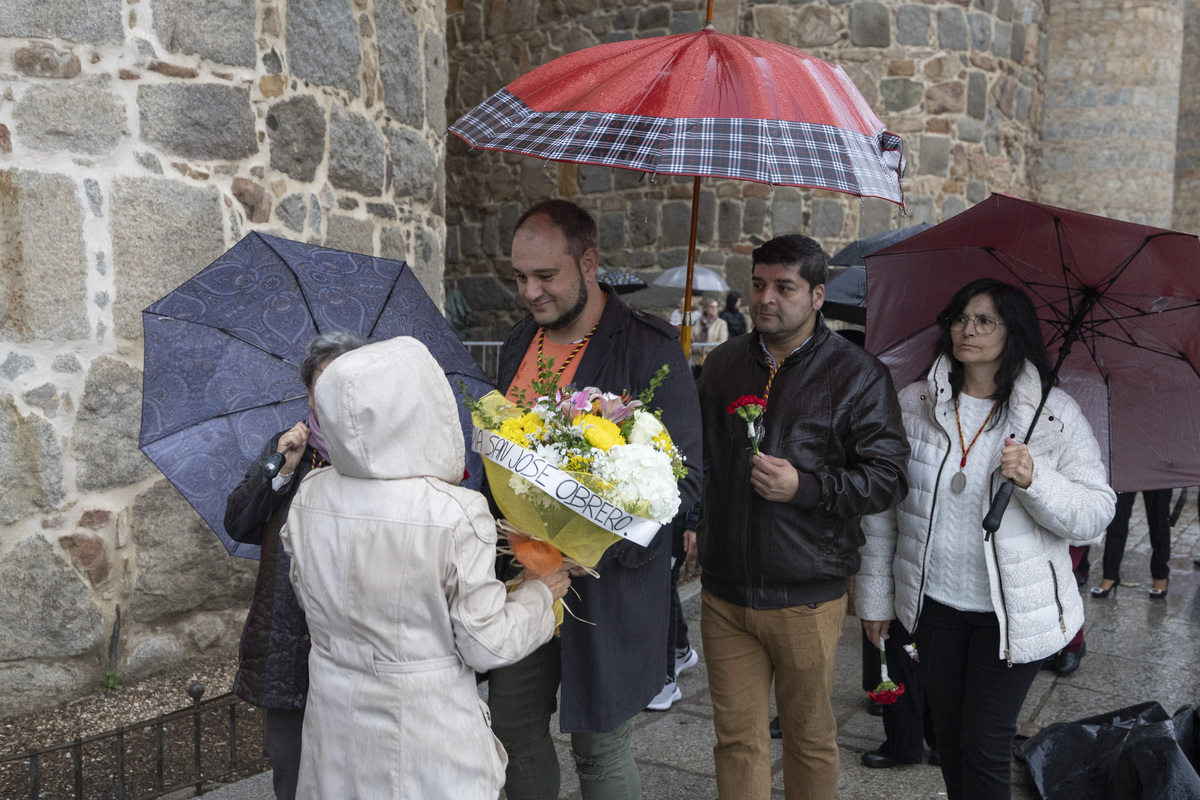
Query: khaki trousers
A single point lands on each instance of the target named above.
(744, 648)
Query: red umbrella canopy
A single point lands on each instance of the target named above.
(703, 104)
(1126, 295)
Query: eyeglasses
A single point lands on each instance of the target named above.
(983, 323)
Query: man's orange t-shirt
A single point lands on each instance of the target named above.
(528, 371)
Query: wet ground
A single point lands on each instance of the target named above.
(1137, 650)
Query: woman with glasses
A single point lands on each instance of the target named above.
(985, 610)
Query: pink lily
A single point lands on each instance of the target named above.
(575, 403)
(614, 407)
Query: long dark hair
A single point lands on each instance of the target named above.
(1023, 343)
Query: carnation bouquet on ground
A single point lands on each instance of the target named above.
(576, 470)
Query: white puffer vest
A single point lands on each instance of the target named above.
(1029, 567)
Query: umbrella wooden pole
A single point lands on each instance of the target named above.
(685, 330)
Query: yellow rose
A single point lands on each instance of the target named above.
(599, 432)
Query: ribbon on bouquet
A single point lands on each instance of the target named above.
(560, 486)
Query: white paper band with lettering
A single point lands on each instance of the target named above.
(572, 494)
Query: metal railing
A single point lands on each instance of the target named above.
(146, 759)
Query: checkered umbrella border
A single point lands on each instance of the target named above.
(766, 151)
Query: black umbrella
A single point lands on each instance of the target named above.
(846, 294)
(222, 355)
(622, 282)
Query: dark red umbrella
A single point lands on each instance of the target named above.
(702, 104)
(1119, 304)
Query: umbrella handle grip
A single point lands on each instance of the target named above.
(991, 523)
(273, 465)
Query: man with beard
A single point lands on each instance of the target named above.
(611, 660)
(779, 530)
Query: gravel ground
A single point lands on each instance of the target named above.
(106, 711)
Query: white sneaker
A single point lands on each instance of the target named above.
(685, 659)
(663, 700)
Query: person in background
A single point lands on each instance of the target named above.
(709, 328)
(984, 610)
(393, 563)
(680, 655)
(1158, 512)
(907, 723)
(733, 316)
(273, 657)
(676, 317)
(779, 531)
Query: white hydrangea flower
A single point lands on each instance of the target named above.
(644, 475)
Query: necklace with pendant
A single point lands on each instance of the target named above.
(959, 481)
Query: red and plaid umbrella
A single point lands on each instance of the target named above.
(702, 104)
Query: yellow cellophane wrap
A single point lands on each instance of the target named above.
(536, 513)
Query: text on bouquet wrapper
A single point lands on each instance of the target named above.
(568, 491)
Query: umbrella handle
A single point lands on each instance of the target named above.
(991, 523)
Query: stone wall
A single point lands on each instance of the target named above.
(138, 141)
(961, 83)
(1186, 215)
(1112, 108)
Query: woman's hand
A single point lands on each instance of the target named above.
(1016, 463)
(876, 630)
(557, 582)
(292, 445)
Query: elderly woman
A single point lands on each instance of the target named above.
(273, 668)
(985, 611)
(393, 564)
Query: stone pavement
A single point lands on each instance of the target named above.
(1137, 650)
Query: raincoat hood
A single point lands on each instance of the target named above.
(387, 412)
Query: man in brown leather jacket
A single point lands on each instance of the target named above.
(779, 532)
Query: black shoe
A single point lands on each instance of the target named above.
(776, 730)
(877, 760)
(1051, 662)
(1100, 594)
(874, 709)
(1068, 662)
(934, 758)
(1160, 594)
(1196, 562)
(1081, 578)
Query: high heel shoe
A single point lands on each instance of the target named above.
(1160, 594)
(1100, 594)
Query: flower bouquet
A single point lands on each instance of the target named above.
(575, 471)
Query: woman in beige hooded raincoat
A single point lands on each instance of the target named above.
(392, 562)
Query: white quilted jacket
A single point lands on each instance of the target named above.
(1029, 568)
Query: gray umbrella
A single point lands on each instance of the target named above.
(703, 279)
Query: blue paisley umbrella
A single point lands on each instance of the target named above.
(223, 351)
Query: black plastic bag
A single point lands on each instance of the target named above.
(1134, 753)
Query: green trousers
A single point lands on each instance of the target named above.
(522, 698)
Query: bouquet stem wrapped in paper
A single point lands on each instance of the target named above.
(577, 470)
